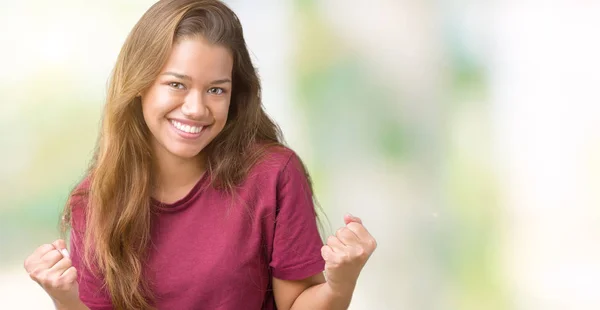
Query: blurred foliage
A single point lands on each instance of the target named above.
(348, 110)
(351, 116)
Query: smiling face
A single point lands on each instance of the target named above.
(187, 105)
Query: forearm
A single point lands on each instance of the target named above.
(322, 296)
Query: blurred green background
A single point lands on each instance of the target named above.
(464, 133)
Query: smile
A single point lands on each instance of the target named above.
(187, 128)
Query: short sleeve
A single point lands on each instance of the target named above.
(91, 292)
(297, 244)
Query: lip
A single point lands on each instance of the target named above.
(187, 135)
(188, 122)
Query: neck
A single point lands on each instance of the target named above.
(172, 173)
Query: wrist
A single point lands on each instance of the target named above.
(340, 289)
(69, 305)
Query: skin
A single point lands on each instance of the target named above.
(50, 266)
(194, 88)
(345, 255)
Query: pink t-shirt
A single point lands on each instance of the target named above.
(210, 251)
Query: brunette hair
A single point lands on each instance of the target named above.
(118, 212)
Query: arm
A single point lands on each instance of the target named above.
(345, 255)
(79, 305)
(298, 252)
(51, 267)
(310, 293)
(321, 296)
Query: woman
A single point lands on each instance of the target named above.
(192, 201)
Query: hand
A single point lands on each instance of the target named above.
(50, 266)
(346, 253)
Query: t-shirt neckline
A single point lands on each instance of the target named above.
(183, 202)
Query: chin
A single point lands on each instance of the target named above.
(187, 154)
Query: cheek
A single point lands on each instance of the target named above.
(157, 103)
(220, 112)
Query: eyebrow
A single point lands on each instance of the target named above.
(187, 77)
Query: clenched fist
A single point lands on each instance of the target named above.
(50, 266)
(346, 253)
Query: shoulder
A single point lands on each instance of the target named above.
(282, 170)
(80, 192)
(276, 161)
(78, 200)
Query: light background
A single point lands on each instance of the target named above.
(465, 133)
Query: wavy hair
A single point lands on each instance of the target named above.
(118, 212)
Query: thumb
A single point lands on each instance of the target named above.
(61, 246)
(349, 218)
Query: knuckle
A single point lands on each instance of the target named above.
(343, 232)
(373, 243)
(27, 264)
(45, 246)
(346, 231)
(36, 273)
(353, 225)
(345, 257)
(331, 239)
(55, 282)
(335, 259)
(73, 277)
(42, 277)
(51, 256)
(325, 254)
(68, 262)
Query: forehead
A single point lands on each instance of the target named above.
(200, 60)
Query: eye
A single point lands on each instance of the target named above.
(177, 85)
(216, 90)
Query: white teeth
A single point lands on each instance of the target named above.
(186, 128)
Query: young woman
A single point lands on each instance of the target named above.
(192, 201)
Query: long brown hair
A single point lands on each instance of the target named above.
(118, 212)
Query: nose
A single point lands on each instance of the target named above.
(194, 106)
